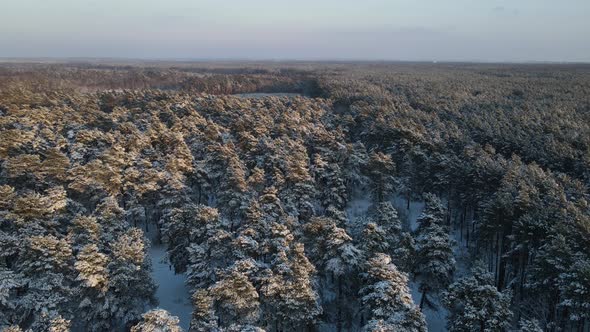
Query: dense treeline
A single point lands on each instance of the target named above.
(252, 196)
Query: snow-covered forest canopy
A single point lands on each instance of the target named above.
(294, 197)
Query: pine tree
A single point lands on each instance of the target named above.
(51, 322)
(331, 183)
(475, 304)
(37, 206)
(380, 170)
(116, 284)
(355, 162)
(130, 283)
(55, 166)
(185, 226)
(574, 285)
(45, 264)
(330, 247)
(203, 316)
(337, 259)
(435, 263)
(92, 267)
(384, 220)
(228, 174)
(7, 197)
(85, 230)
(385, 215)
(237, 299)
(10, 283)
(206, 259)
(386, 299)
(256, 180)
(404, 252)
(526, 325)
(433, 213)
(380, 325)
(157, 320)
(374, 240)
(299, 305)
(23, 167)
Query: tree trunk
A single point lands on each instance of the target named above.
(491, 257)
(467, 236)
(522, 265)
(461, 227)
(423, 299)
(497, 260)
(449, 212)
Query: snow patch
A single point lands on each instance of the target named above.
(173, 295)
(409, 215)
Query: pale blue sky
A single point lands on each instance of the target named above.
(477, 30)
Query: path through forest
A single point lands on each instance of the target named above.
(172, 293)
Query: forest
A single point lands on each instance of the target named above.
(294, 196)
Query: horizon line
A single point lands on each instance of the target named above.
(90, 59)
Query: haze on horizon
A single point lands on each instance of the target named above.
(422, 30)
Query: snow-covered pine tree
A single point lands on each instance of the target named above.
(331, 184)
(85, 230)
(385, 215)
(10, 283)
(203, 317)
(115, 286)
(381, 171)
(337, 259)
(54, 166)
(51, 322)
(374, 240)
(397, 243)
(404, 252)
(354, 163)
(434, 212)
(435, 264)
(574, 286)
(92, 268)
(236, 298)
(475, 304)
(131, 287)
(232, 192)
(387, 303)
(529, 325)
(186, 226)
(157, 320)
(207, 259)
(46, 263)
(298, 306)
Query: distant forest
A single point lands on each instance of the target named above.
(382, 197)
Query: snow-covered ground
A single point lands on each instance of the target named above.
(436, 319)
(358, 207)
(172, 293)
(409, 216)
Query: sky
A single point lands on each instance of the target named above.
(405, 30)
